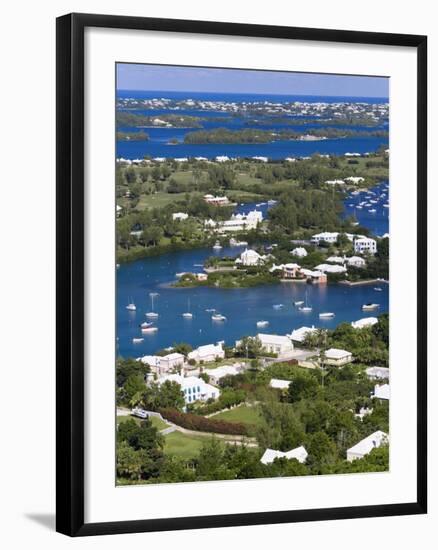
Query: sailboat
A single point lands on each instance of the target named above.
(131, 306)
(152, 314)
(188, 314)
(306, 308)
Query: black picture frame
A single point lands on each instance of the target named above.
(70, 273)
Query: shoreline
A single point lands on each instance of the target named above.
(364, 282)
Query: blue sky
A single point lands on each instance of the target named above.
(199, 79)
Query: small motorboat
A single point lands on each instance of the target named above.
(261, 324)
(298, 303)
(131, 307)
(305, 309)
(210, 310)
(145, 325)
(188, 314)
(378, 289)
(327, 315)
(149, 329)
(218, 317)
(369, 307)
(137, 340)
(278, 306)
(217, 246)
(372, 211)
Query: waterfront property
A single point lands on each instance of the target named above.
(365, 244)
(364, 322)
(365, 446)
(272, 343)
(299, 335)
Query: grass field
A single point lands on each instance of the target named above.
(182, 445)
(247, 415)
(158, 200)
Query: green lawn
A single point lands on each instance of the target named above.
(247, 415)
(158, 200)
(182, 445)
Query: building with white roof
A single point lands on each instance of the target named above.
(250, 257)
(377, 373)
(209, 352)
(381, 392)
(300, 252)
(299, 334)
(278, 384)
(216, 201)
(337, 357)
(330, 268)
(365, 244)
(272, 343)
(356, 261)
(355, 179)
(194, 388)
(335, 260)
(180, 216)
(241, 222)
(335, 182)
(364, 447)
(215, 375)
(365, 322)
(270, 455)
(325, 237)
(172, 361)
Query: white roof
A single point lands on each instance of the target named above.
(354, 259)
(377, 372)
(381, 392)
(220, 372)
(335, 259)
(299, 251)
(371, 442)
(279, 384)
(300, 333)
(174, 355)
(151, 360)
(364, 240)
(365, 322)
(270, 455)
(334, 353)
(273, 339)
(327, 268)
(208, 349)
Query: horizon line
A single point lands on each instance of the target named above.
(246, 93)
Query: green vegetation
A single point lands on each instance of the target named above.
(251, 135)
(183, 445)
(242, 414)
(132, 136)
(127, 119)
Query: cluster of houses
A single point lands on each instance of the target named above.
(361, 243)
(237, 222)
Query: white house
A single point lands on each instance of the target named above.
(377, 373)
(335, 260)
(278, 384)
(241, 222)
(381, 391)
(207, 353)
(215, 375)
(365, 446)
(365, 322)
(300, 252)
(250, 257)
(337, 357)
(355, 179)
(172, 361)
(356, 261)
(272, 343)
(331, 268)
(194, 388)
(270, 455)
(299, 334)
(365, 244)
(180, 216)
(325, 237)
(335, 182)
(216, 200)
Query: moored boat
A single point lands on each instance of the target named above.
(218, 317)
(328, 315)
(369, 307)
(261, 324)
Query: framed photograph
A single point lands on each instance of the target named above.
(241, 274)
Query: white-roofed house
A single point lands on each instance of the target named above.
(365, 244)
(215, 375)
(193, 388)
(278, 384)
(299, 334)
(337, 357)
(273, 343)
(250, 257)
(209, 352)
(335, 260)
(299, 453)
(356, 261)
(377, 373)
(364, 447)
(365, 322)
(300, 252)
(328, 268)
(180, 216)
(381, 391)
(172, 361)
